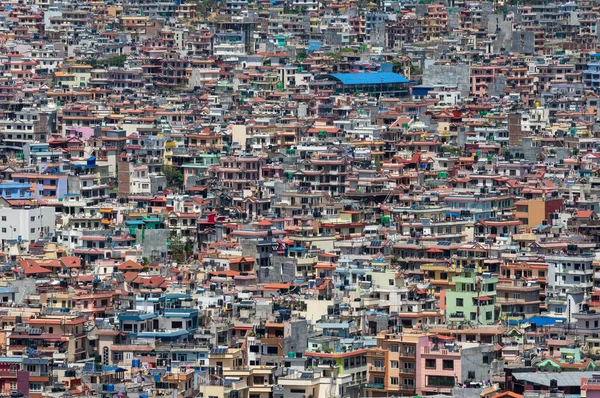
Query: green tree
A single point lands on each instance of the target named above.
(204, 8)
(117, 60)
(301, 54)
(179, 248)
(397, 66)
(416, 70)
(174, 176)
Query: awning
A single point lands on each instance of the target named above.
(434, 250)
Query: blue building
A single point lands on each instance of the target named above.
(591, 76)
(16, 190)
(385, 84)
(135, 322)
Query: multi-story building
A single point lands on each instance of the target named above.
(392, 366)
(519, 299)
(24, 221)
(474, 298)
(591, 76)
(27, 126)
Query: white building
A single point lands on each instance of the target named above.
(25, 223)
(324, 383)
(140, 181)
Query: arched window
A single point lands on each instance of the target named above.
(105, 356)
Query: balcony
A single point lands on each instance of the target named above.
(407, 354)
(441, 352)
(373, 368)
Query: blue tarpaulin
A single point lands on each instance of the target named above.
(538, 320)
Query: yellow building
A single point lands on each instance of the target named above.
(255, 381)
(69, 77)
(440, 277)
(82, 73)
(531, 212)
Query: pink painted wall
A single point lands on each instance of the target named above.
(424, 352)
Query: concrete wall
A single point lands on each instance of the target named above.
(459, 75)
(158, 183)
(453, 21)
(282, 270)
(298, 332)
(522, 42)
(531, 152)
(496, 89)
(155, 242)
(23, 288)
(472, 361)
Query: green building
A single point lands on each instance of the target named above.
(473, 300)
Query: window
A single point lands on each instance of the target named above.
(471, 375)
(488, 316)
(441, 381)
(448, 364)
(4, 230)
(394, 348)
(459, 302)
(430, 364)
(3, 218)
(32, 230)
(394, 364)
(378, 380)
(409, 382)
(378, 363)
(394, 381)
(35, 386)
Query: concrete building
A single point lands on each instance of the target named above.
(473, 300)
(25, 221)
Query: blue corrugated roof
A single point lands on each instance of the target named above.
(370, 78)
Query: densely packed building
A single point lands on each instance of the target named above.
(299, 199)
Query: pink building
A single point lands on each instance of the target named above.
(481, 76)
(591, 386)
(438, 368)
